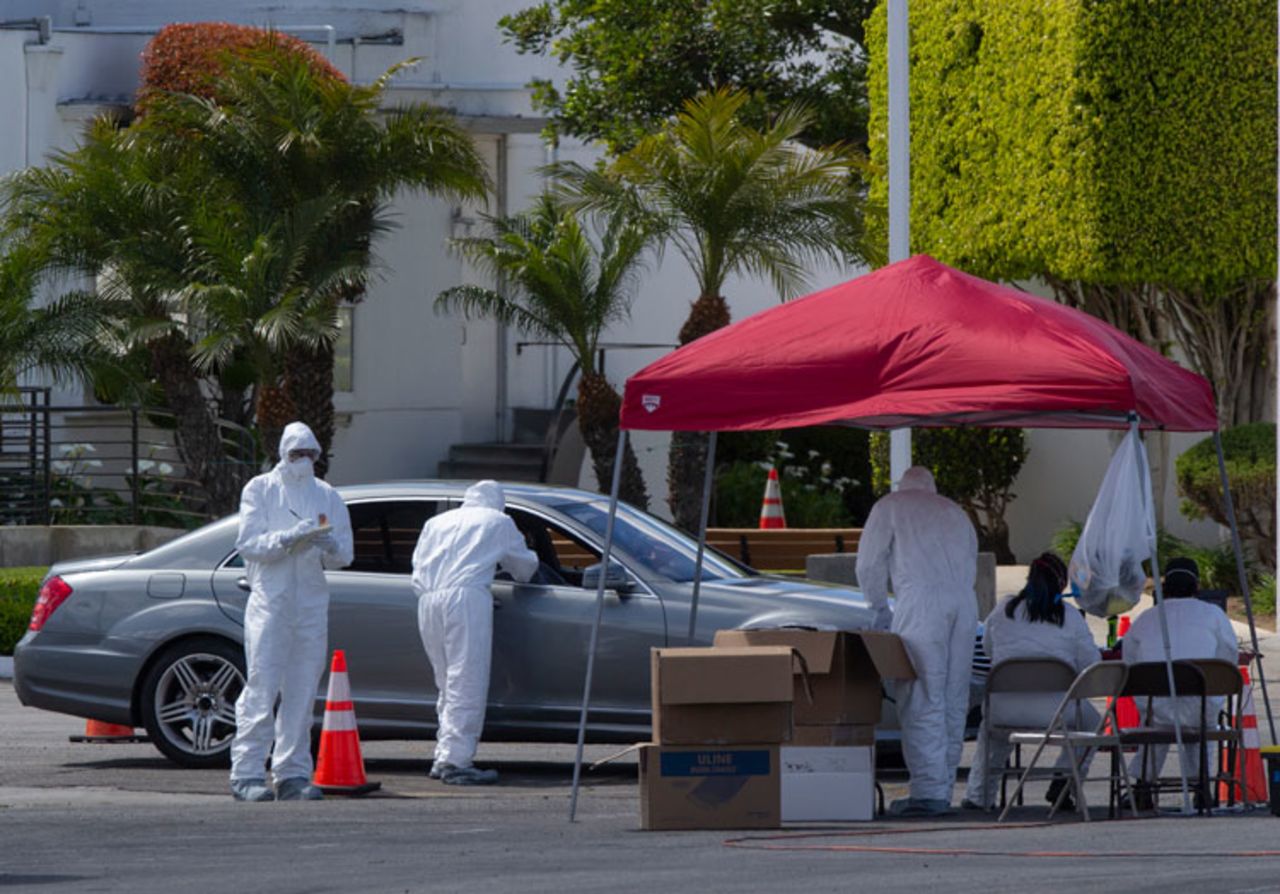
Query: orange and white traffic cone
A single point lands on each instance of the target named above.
(102, 733)
(1126, 710)
(1249, 773)
(340, 770)
(771, 514)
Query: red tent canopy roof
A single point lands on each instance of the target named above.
(917, 344)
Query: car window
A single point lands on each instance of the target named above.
(562, 557)
(386, 531)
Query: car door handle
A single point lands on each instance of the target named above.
(243, 583)
(497, 603)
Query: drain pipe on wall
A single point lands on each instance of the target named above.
(500, 334)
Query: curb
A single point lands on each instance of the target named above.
(6, 667)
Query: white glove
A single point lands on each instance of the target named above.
(884, 618)
(326, 543)
(296, 533)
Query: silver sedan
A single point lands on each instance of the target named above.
(156, 640)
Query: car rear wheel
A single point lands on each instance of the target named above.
(189, 701)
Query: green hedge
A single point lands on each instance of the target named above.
(18, 590)
(1250, 455)
(1112, 141)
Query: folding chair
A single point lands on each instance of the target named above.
(1150, 680)
(1018, 675)
(1222, 678)
(1103, 680)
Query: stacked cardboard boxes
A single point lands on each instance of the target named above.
(828, 767)
(719, 717)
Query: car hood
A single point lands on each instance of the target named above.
(790, 602)
(76, 566)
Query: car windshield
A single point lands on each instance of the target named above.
(659, 548)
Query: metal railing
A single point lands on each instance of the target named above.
(99, 465)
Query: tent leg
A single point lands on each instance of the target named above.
(1164, 621)
(595, 628)
(1244, 580)
(702, 533)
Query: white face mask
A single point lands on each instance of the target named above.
(298, 471)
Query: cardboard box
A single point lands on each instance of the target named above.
(845, 670)
(828, 784)
(833, 735)
(695, 787)
(704, 696)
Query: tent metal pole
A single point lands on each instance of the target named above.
(1244, 579)
(708, 477)
(595, 628)
(1160, 613)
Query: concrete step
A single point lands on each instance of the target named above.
(467, 471)
(503, 454)
(529, 424)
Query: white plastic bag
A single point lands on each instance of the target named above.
(1106, 571)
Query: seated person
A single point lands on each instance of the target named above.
(1196, 630)
(1033, 624)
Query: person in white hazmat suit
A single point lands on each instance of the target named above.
(926, 545)
(1197, 629)
(454, 563)
(1033, 624)
(292, 527)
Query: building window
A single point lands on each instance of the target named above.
(344, 351)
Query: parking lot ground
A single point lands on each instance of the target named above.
(121, 818)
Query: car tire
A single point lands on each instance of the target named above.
(188, 701)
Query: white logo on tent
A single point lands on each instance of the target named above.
(651, 402)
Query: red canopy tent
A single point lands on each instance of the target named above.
(914, 344)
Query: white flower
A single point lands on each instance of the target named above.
(166, 469)
(145, 465)
(813, 454)
(826, 468)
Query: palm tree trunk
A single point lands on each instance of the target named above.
(197, 438)
(687, 458)
(274, 411)
(309, 377)
(598, 408)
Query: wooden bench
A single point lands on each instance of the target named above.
(782, 549)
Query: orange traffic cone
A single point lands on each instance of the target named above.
(1249, 770)
(103, 733)
(771, 514)
(1126, 709)
(340, 770)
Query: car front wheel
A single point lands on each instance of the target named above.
(189, 701)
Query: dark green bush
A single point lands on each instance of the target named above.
(18, 590)
(845, 449)
(976, 467)
(1264, 595)
(1250, 454)
(740, 491)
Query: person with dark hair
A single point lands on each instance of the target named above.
(1196, 630)
(1032, 624)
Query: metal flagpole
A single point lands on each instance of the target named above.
(708, 477)
(1160, 613)
(1244, 580)
(595, 628)
(899, 65)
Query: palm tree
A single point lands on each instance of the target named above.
(223, 234)
(311, 160)
(562, 286)
(730, 199)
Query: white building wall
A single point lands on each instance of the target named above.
(422, 381)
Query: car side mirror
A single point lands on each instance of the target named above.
(617, 578)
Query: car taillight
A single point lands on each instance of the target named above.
(54, 592)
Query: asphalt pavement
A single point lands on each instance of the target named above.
(121, 818)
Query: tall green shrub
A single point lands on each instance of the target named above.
(976, 467)
(1122, 150)
(1250, 454)
(18, 590)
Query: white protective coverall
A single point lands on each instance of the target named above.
(1017, 637)
(453, 566)
(1196, 630)
(926, 545)
(286, 620)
